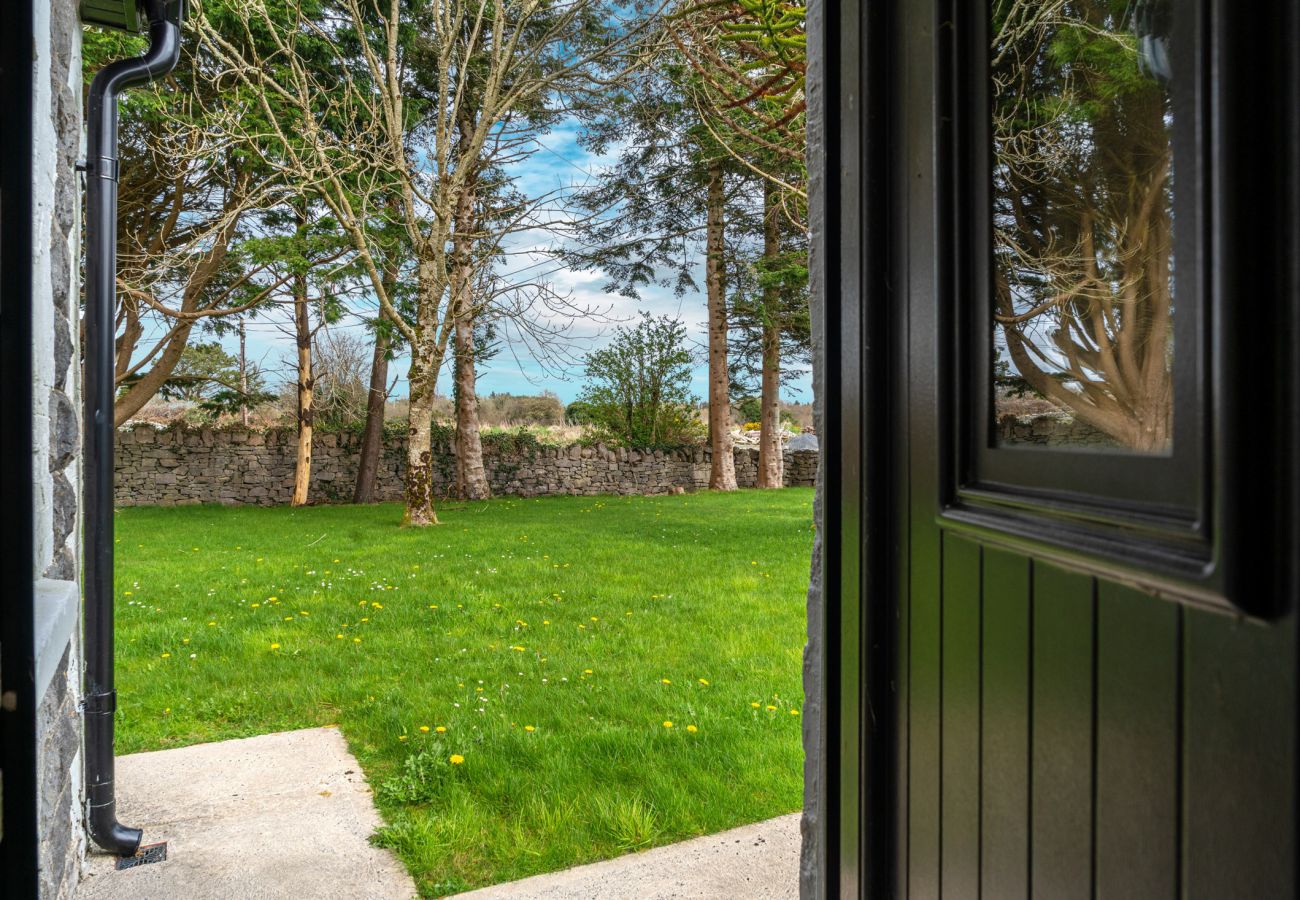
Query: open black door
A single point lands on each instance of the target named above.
(1061, 245)
(18, 858)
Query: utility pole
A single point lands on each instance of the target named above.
(243, 375)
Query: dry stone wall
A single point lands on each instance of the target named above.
(1052, 430)
(182, 466)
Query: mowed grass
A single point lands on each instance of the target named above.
(507, 680)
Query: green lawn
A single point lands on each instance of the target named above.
(554, 640)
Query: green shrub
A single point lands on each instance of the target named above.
(638, 392)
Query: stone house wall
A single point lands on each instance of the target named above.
(56, 58)
(182, 466)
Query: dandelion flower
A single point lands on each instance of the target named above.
(401, 737)
(668, 724)
(339, 636)
(529, 728)
(356, 640)
(692, 729)
(441, 729)
(771, 708)
(664, 681)
(794, 712)
(704, 681)
(165, 655)
(587, 672)
(456, 759)
(424, 728)
(275, 646)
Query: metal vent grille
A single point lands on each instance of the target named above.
(151, 853)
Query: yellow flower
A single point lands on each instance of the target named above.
(456, 759)
(256, 605)
(401, 737)
(668, 724)
(771, 708)
(587, 672)
(356, 640)
(424, 728)
(754, 704)
(212, 623)
(433, 606)
(704, 681)
(165, 655)
(546, 621)
(275, 646)
(339, 636)
(594, 619)
(441, 729)
(794, 712)
(664, 681)
(692, 729)
(271, 599)
(529, 728)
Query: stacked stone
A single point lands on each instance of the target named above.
(181, 466)
(1051, 430)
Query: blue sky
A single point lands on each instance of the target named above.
(558, 165)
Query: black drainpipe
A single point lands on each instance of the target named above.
(101, 295)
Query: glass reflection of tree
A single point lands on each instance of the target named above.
(1082, 193)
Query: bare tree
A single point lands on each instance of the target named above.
(349, 133)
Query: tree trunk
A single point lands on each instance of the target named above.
(423, 379)
(372, 439)
(243, 375)
(471, 475)
(306, 385)
(428, 347)
(722, 473)
(770, 468)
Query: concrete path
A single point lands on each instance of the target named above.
(284, 815)
(289, 815)
(756, 862)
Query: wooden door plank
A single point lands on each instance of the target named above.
(1239, 757)
(1137, 745)
(924, 699)
(960, 781)
(1061, 744)
(1004, 755)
